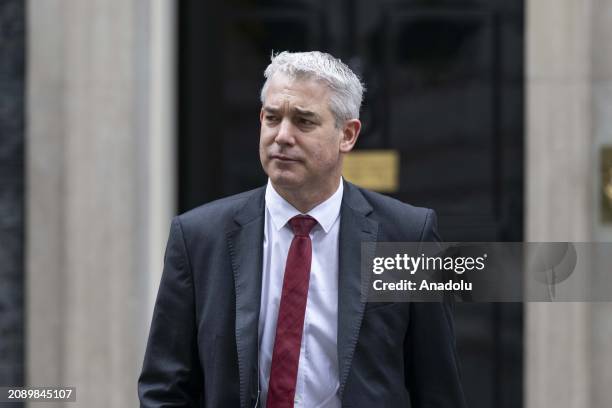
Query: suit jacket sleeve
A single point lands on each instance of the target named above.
(171, 374)
(432, 367)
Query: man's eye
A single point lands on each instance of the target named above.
(306, 122)
(271, 118)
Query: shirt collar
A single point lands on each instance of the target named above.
(325, 213)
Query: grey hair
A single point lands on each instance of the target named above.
(346, 88)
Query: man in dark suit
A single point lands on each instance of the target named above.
(260, 298)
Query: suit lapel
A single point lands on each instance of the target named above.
(355, 228)
(245, 249)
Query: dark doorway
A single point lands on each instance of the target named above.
(13, 42)
(445, 90)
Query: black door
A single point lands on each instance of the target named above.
(444, 89)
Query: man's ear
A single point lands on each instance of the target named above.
(350, 133)
(261, 115)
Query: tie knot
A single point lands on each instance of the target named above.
(302, 224)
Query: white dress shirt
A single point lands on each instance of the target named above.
(317, 377)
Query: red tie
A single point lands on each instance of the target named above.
(290, 323)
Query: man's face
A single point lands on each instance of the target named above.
(299, 144)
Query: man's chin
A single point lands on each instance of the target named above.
(286, 181)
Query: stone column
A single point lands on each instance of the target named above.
(100, 189)
(568, 347)
(601, 82)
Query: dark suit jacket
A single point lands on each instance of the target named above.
(203, 344)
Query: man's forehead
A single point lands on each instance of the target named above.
(297, 96)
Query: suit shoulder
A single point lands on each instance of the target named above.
(216, 213)
(400, 221)
(388, 205)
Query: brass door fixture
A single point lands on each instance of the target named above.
(606, 184)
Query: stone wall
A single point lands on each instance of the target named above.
(100, 162)
(568, 349)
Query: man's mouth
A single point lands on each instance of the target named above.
(283, 158)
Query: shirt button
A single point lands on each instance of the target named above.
(297, 400)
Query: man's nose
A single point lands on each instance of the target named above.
(285, 135)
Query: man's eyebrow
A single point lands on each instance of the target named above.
(306, 113)
(271, 109)
(302, 112)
